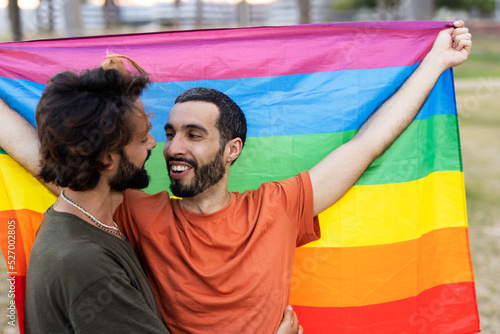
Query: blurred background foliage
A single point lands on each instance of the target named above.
(485, 6)
(33, 19)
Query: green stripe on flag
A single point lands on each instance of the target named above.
(427, 146)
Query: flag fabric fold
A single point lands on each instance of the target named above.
(394, 254)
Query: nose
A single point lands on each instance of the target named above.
(174, 147)
(151, 141)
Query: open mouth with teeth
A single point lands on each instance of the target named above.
(179, 170)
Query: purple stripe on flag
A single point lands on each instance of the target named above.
(248, 52)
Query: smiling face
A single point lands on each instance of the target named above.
(131, 173)
(193, 152)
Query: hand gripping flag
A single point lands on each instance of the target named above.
(394, 254)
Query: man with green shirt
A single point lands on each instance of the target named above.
(83, 275)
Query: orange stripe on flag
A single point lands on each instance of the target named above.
(17, 234)
(356, 276)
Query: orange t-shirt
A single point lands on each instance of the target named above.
(225, 272)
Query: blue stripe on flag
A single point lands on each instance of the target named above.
(319, 102)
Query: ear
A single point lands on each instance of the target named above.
(233, 149)
(110, 160)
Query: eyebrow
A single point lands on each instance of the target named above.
(150, 126)
(201, 128)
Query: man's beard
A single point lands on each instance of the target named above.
(129, 176)
(204, 176)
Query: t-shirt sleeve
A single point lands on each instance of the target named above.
(113, 305)
(298, 202)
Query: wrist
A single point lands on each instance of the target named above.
(434, 63)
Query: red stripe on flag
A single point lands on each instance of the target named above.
(448, 308)
(19, 297)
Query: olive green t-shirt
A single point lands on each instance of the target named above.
(82, 279)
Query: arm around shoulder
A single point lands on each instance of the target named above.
(19, 139)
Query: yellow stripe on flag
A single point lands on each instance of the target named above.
(390, 213)
(24, 191)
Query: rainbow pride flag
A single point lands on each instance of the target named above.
(394, 256)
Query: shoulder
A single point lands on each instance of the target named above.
(140, 195)
(67, 244)
(68, 267)
(139, 209)
(137, 201)
(287, 197)
(299, 180)
(273, 188)
(79, 256)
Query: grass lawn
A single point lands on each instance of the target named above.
(479, 119)
(485, 58)
(479, 122)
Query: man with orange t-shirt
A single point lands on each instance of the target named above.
(221, 262)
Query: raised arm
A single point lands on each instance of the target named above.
(333, 176)
(19, 139)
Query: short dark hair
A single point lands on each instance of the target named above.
(231, 122)
(81, 117)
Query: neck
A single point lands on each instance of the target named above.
(100, 202)
(211, 200)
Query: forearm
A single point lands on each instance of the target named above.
(19, 139)
(396, 114)
(341, 168)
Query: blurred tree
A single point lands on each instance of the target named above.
(382, 9)
(177, 13)
(72, 18)
(199, 14)
(15, 20)
(421, 9)
(243, 13)
(304, 11)
(111, 14)
(45, 15)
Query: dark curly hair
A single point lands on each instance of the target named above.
(81, 117)
(231, 122)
